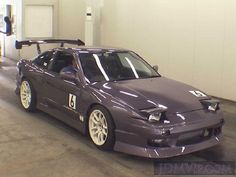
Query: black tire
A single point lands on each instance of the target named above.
(32, 100)
(110, 139)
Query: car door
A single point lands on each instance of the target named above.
(38, 67)
(62, 95)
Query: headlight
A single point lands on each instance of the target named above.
(155, 117)
(211, 105)
(155, 114)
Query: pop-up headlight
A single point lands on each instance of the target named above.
(155, 117)
(155, 114)
(211, 105)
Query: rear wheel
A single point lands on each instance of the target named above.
(27, 96)
(101, 128)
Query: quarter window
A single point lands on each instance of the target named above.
(62, 60)
(43, 59)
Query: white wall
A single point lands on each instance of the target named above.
(72, 19)
(9, 41)
(68, 22)
(70, 26)
(30, 52)
(93, 23)
(193, 41)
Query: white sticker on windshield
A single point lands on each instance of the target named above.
(197, 93)
(72, 101)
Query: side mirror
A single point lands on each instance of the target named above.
(68, 75)
(155, 67)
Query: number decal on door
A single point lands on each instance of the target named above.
(197, 93)
(72, 101)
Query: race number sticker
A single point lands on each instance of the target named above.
(197, 93)
(72, 101)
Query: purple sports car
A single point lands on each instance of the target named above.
(118, 100)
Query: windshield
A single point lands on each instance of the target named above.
(114, 66)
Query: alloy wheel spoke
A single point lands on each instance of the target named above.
(104, 126)
(100, 136)
(94, 128)
(94, 120)
(95, 116)
(96, 131)
(104, 131)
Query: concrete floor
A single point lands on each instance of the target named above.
(38, 145)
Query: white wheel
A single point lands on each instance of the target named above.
(98, 128)
(25, 94)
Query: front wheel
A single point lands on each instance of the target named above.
(27, 96)
(101, 128)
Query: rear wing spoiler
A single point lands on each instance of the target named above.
(20, 44)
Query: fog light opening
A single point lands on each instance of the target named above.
(217, 131)
(159, 142)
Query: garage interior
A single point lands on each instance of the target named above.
(192, 41)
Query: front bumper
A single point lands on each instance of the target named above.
(178, 140)
(154, 152)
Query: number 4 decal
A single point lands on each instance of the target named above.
(197, 93)
(72, 101)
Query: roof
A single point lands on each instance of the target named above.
(98, 49)
(92, 49)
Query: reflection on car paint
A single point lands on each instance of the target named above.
(129, 94)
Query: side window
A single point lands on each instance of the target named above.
(61, 61)
(44, 59)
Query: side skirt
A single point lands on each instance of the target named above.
(78, 125)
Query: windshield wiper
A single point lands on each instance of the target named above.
(122, 79)
(152, 76)
(132, 78)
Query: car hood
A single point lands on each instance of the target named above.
(151, 92)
